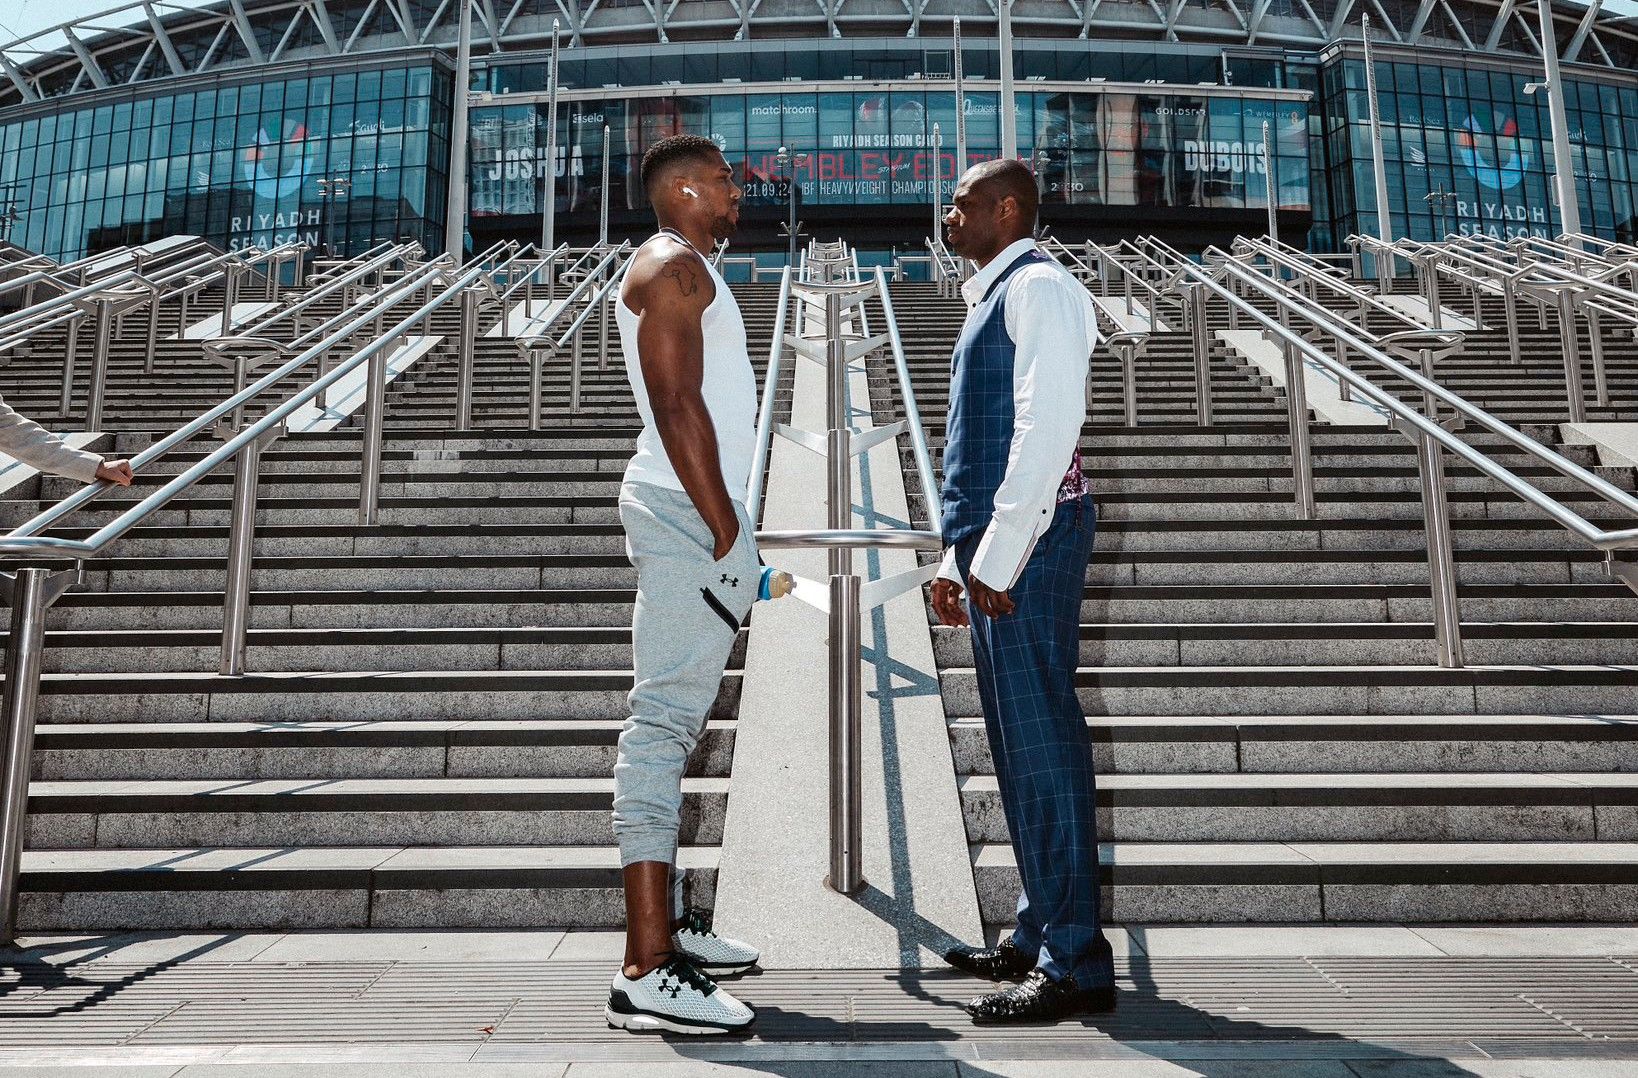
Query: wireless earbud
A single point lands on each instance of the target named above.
(690, 192)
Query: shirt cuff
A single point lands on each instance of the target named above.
(79, 465)
(948, 570)
(1005, 547)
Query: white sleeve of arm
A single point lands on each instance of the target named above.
(25, 440)
(948, 569)
(1053, 350)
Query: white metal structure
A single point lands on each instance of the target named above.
(140, 40)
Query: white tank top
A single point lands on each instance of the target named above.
(729, 388)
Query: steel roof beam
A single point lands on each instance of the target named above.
(1573, 49)
(166, 46)
(1499, 27)
(241, 22)
(27, 91)
(320, 14)
(93, 70)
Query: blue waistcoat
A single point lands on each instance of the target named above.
(979, 431)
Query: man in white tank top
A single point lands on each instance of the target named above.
(691, 540)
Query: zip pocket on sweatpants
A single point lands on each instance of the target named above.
(722, 611)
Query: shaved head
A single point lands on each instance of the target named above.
(1008, 179)
(994, 206)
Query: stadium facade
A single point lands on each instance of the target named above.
(221, 121)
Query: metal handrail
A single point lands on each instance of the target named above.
(918, 435)
(540, 339)
(1320, 278)
(24, 539)
(1348, 333)
(527, 280)
(335, 284)
(770, 385)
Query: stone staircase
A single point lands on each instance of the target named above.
(427, 734)
(1273, 738)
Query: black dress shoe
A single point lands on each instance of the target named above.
(1003, 962)
(1040, 999)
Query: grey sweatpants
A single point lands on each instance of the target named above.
(688, 612)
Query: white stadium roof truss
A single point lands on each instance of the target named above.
(143, 40)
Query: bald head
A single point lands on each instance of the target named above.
(1000, 180)
(994, 206)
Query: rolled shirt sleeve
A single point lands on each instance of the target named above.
(1048, 316)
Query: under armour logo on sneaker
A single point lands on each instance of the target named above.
(667, 986)
(733, 583)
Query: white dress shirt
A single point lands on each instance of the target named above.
(1053, 325)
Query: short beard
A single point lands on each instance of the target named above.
(722, 227)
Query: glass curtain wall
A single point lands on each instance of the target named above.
(239, 165)
(1467, 150)
(874, 148)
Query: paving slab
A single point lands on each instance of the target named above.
(1294, 940)
(435, 946)
(139, 947)
(1546, 940)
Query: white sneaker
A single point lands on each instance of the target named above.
(716, 955)
(677, 997)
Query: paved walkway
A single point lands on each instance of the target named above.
(1217, 1001)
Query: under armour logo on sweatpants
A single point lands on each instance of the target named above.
(734, 583)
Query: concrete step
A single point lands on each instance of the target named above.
(1312, 744)
(1330, 690)
(347, 695)
(561, 648)
(349, 887)
(1341, 882)
(451, 748)
(348, 609)
(1340, 807)
(308, 812)
(1334, 643)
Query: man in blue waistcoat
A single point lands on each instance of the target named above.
(1019, 522)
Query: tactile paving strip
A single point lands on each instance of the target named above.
(1566, 1001)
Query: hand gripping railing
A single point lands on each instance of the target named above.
(32, 589)
(836, 347)
(614, 263)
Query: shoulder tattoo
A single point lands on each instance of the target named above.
(683, 274)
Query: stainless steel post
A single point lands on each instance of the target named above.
(241, 550)
(1128, 377)
(99, 365)
(603, 210)
(230, 290)
(375, 410)
(1296, 399)
(1447, 616)
(31, 595)
(1572, 355)
(576, 358)
(846, 736)
(468, 345)
(534, 389)
(846, 854)
(153, 335)
(1271, 184)
(1510, 306)
(603, 317)
(1436, 306)
(70, 356)
(1595, 342)
(1202, 355)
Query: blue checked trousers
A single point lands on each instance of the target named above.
(1043, 754)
